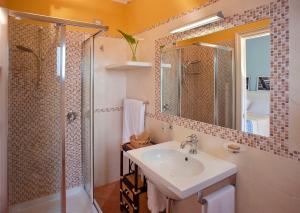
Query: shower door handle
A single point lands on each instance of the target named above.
(71, 116)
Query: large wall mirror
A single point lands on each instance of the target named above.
(221, 78)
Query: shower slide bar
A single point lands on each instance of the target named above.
(43, 18)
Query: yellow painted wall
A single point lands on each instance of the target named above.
(226, 35)
(142, 14)
(3, 3)
(133, 17)
(110, 13)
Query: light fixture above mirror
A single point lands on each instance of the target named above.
(202, 22)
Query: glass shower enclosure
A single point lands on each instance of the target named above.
(198, 83)
(50, 114)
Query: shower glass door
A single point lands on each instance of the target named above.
(197, 82)
(170, 81)
(224, 87)
(35, 131)
(50, 117)
(87, 114)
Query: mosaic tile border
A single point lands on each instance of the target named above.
(109, 109)
(277, 143)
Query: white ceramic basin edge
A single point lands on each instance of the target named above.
(178, 174)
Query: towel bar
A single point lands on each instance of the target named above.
(200, 198)
(144, 102)
(228, 181)
(231, 180)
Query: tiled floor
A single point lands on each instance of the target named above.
(108, 197)
(77, 202)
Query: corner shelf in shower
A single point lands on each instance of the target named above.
(129, 65)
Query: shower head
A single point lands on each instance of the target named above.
(28, 50)
(188, 63)
(25, 49)
(39, 60)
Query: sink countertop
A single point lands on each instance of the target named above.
(181, 186)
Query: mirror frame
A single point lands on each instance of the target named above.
(277, 143)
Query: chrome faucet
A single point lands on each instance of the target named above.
(192, 141)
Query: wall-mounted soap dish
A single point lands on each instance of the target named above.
(233, 147)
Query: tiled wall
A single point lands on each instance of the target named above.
(193, 68)
(198, 83)
(268, 178)
(225, 85)
(109, 92)
(34, 142)
(266, 183)
(170, 82)
(294, 75)
(73, 84)
(277, 142)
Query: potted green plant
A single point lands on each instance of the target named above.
(133, 43)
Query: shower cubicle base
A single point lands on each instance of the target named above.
(77, 202)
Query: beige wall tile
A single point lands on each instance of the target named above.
(108, 129)
(265, 183)
(109, 92)
(294, 104)
(110, 86)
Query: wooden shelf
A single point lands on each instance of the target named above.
(129, 65)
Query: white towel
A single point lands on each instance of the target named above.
(221, 201)
(156, 200)
(133, 118)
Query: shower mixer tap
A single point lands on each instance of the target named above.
(165, 107)
(71, 116)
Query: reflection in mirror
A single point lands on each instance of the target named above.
(255, 52)
(221, 78)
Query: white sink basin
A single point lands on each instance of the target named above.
(172, 163)
(178, 174)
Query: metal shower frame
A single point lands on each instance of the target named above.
(216, 104)
(61, 24)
